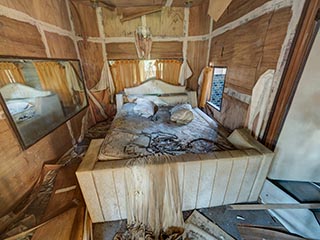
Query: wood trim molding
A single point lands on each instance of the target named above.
(291, 76)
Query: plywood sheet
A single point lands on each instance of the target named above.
(92, 60)
(84, 20)
(60, 46)
(166, 50)
(197, 58)
(113, 26)
(12, 43)
(199, 20)
(236, 9)
(50, 11)
(168, 22)
(121, 51)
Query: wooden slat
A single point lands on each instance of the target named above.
(274, 206)
(236, 177)
(256, 233)
(224, 168)
(191, 182)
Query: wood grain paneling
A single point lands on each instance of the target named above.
(50, 11)
(60, 46)
(248, 51)
(113, 26)
(237, 9)
(84, 19)
(20, 39)
(233, 113)
(92, 60)
(199, 20)
(166, 50)
(251, 49)
(121, 51)
(292, 74)
(197, 57)
(168, 22)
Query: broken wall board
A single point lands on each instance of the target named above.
(217, 7)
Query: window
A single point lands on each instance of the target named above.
(218, 80)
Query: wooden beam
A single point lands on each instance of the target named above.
(290, 79)
(130, 13)
(274, 206)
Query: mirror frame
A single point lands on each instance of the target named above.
(10, 118)
(218, 108)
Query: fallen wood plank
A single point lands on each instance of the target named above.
(254, 233)
(274, 206)
(59, 213)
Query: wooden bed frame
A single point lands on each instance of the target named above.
(205, 180)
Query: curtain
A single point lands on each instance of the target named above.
(125, 73)
(205, 86)
(52, 77)
(10, 73)
(168, 70)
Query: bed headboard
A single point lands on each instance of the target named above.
(158, 90)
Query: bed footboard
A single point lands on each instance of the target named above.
(205, 180)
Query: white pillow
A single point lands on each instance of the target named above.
(144, 107)
(182, 113)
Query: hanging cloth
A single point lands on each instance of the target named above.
(185, 72)
(259, 102)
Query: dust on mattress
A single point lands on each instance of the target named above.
(133, 136)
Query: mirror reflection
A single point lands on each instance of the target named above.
(40, 95)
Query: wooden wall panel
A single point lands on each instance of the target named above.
(114, 28)
(248, 51)
(199, 20)
(233, 113)
(60, 46)
(19, 169)
(121, 51)
(50, 11)
(197, 57)
(84, 19)
(168, 22)
(166, 50)
(92, 61)
(20, 39)
(237, 9)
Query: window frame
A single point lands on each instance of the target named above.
(218, 108)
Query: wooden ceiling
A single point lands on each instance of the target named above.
(140, 3)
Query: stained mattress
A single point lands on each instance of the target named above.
(133, 136)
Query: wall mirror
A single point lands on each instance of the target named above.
(217, 87)
(38, 95)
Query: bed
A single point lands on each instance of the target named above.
(223, 169)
